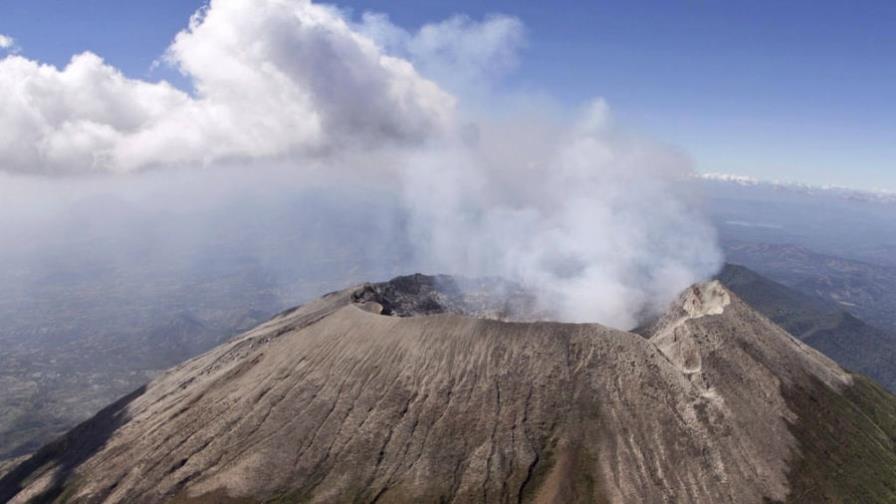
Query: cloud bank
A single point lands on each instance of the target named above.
(601, 222)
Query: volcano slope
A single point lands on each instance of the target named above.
(824, 325)
(411, 391)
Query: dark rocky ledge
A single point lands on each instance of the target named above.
(416, 295)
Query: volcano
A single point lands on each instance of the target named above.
(437, 389)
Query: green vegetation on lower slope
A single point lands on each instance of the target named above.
(846, 444)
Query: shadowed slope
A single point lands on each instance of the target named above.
(56, 461)
(822, 324)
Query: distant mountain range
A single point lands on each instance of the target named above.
(878, 196)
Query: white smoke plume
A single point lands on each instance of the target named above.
(600, 222)
(603, 224)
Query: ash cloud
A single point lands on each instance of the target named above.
(292, 98)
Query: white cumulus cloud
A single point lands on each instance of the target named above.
(75, 119)
(272, 78)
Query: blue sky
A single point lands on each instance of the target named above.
(793, 90)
